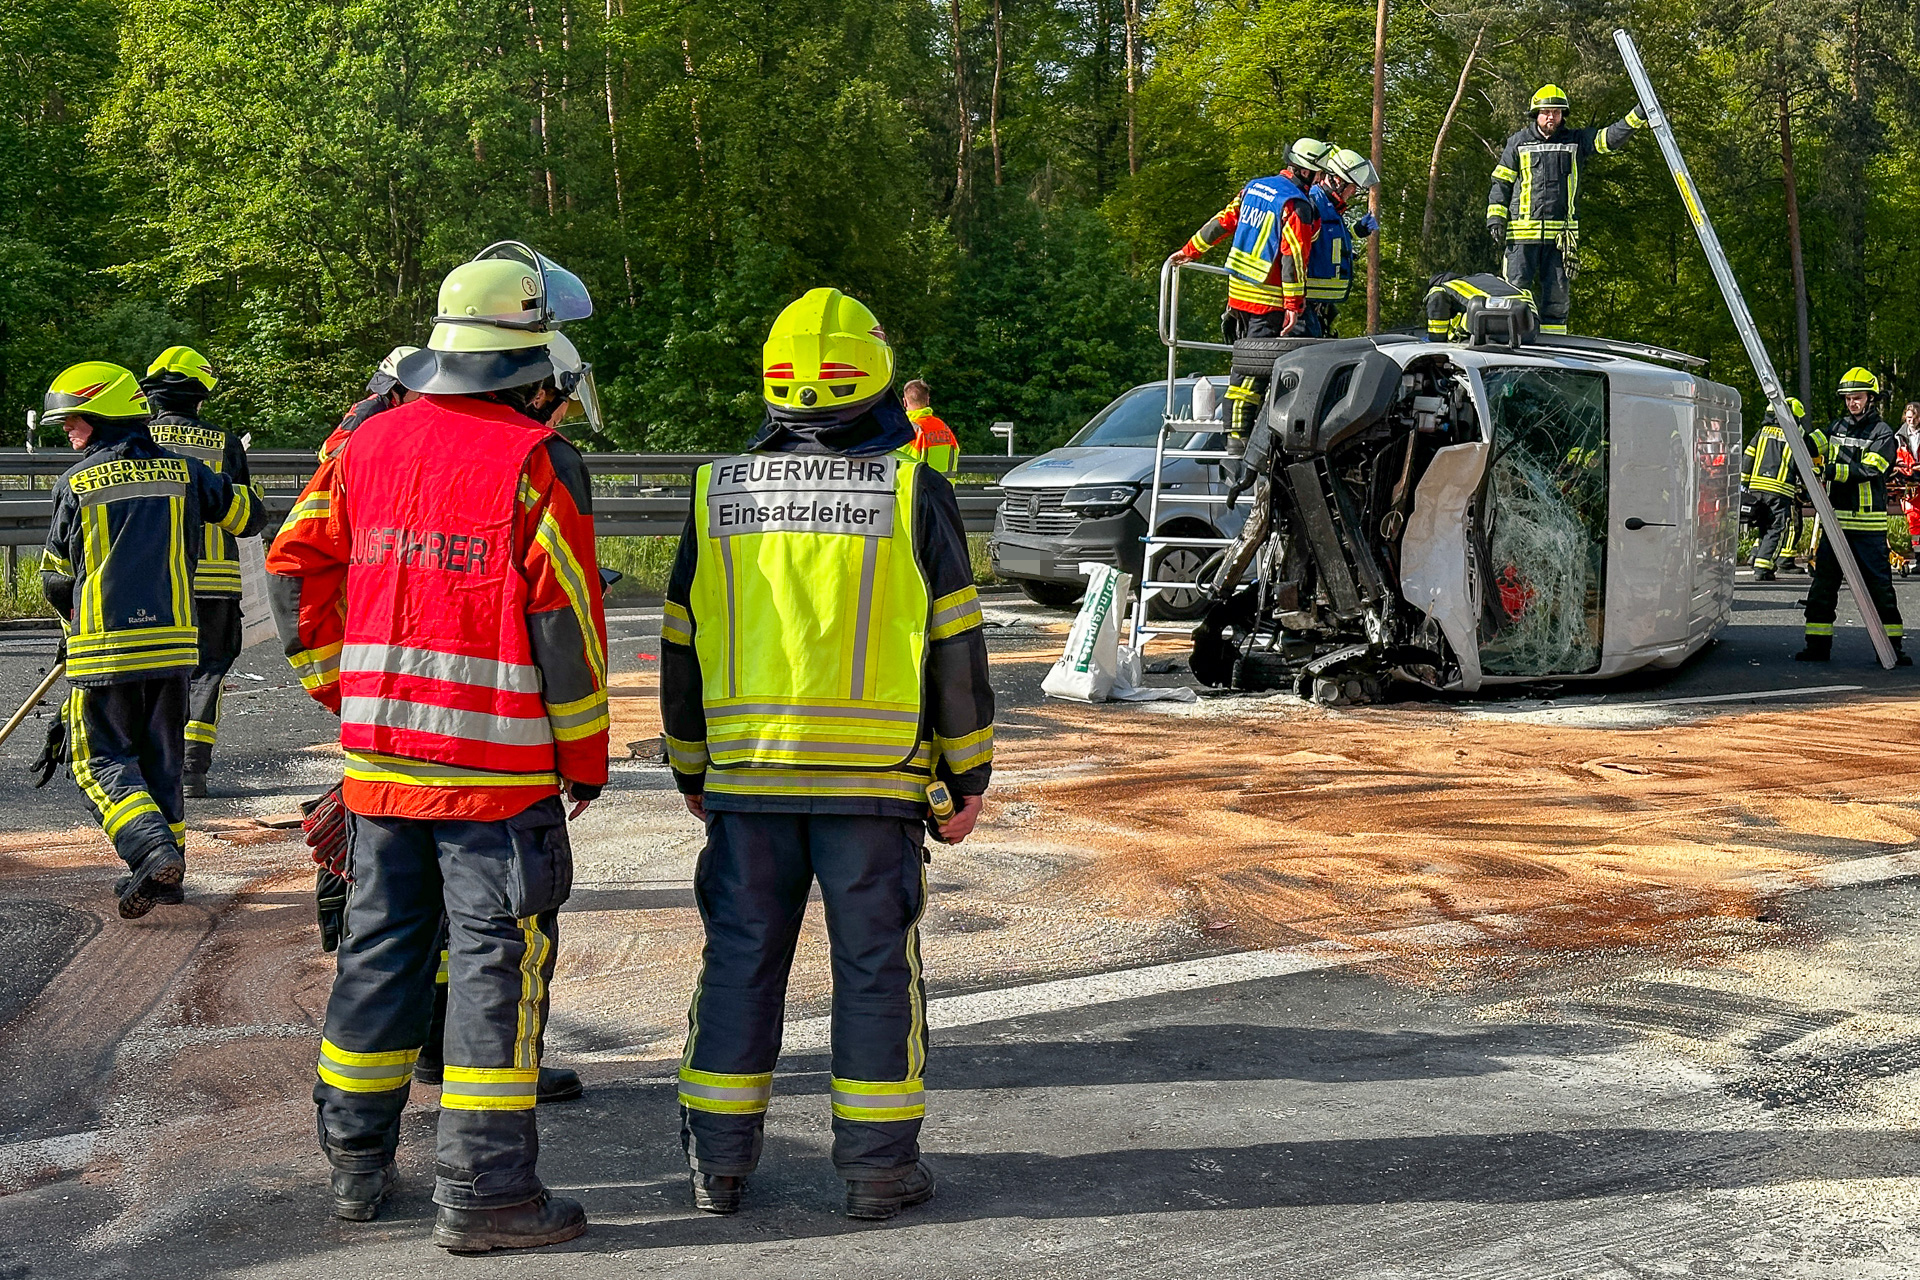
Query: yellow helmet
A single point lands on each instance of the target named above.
(1793, 403)
(826, 351)
(1549, 97)
(184, 362)
(95, 389)
(1856, 380)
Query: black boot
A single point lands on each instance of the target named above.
(160, 868)
(887, 1195)
(717, 1192)
(1819, 649)
(545, 1219)
(194, 785)
(171, 896)
(357, 1197)
(1763, 575)
(1901, 658)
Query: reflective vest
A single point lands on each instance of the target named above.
(1258, 238)
(813, 625)
(933, 443)
(218, 573)
(1330, 264)
(436, 664)
(1769, 464)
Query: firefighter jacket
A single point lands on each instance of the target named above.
(1536, 185)
(1273, 222)
(1857, 453)
(1447, 303)
(822, 648)
(933, 442)
(1769, 465)
(186, 435)
(121, 553)
(378, 402)
(1330, 264)
(436, 585)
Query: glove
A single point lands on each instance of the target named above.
(52, 755)
(1497, 228)
(1636, 119)
(330, 905)
(1367, 225)
(584, 792)
(325, 825)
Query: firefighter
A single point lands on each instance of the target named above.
(119, 566)
(933, 440)
(177, 384)
(1448, 296)
(384, 392)
(1856, 453)
(1532, 210)
(1330, 265)
(436, 586)
(1768, 478)
(1274, 223)
(822, 667)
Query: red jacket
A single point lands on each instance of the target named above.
(446, 602)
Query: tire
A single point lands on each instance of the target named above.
(1254, 357)
(1185, 565)
(1052, 595)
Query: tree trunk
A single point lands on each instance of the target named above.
(1794, 251)
(546, 153)
(1379, 128)
(699, 142)
(1440, 142)
(613, 147)
(993, 108)
(959, 104)
(1130, 11)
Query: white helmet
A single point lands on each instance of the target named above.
(1350, 165)
(387, 375)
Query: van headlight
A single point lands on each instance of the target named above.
(1094, 500)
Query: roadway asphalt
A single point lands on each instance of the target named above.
(1744, 1107)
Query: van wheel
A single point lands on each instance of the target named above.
(1054, 595)
(1179, 564)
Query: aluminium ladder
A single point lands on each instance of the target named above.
(1155, 542)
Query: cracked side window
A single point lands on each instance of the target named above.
(1544, 522)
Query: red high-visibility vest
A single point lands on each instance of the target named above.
(436, 664)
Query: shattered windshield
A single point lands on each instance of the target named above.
(1543, 534)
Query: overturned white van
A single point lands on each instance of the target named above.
(1464, 515)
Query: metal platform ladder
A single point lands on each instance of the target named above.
(1150, 586)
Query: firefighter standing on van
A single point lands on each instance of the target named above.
(1768, 478)
(822, 668)
(436, 585)
(1856, 452)
(177, 384)
(1533, 209)
(119, 566)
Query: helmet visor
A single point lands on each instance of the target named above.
(566, 294)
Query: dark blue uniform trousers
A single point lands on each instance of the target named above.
(499, 886)
(752, 885)
(128, 742)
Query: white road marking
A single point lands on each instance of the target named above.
(1747, 697)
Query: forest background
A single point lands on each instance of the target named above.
(283, 183)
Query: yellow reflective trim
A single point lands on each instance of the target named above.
(200, 731)
(676, 625)
(380, 1058)
(239, 511)
(125, 810)
(369, 767)
(440, 975)
(182, 576)
(573, 581)
(533, 988)
(968, 751)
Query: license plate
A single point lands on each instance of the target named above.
(1022, 564)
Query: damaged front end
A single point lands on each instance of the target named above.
(1418, 516)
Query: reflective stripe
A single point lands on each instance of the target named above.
(686, 756)
(676, 624)
(447, 722)
(353, 1072)
(315, 506)
(316, 667)
(878, 1101)
(863, 614)
(1504, 174)
(369, 767)
(969, 751)
(431, 664)
(125, 810)
(1819, 628)
(752, 780)
(200, 731)
(535, 948)
(51, 561)
(725, 1094)
(1497, 211)
(573, 582)
(441, 974)
(572, 721)
(489, 1088)
(239, 511)
(954, 613)
(808, 711)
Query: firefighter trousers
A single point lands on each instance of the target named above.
(1823, 594)
(499, 886)
(751, 885)
(219, 647)
(1538, 267)
(1772, 518)
(1247, 392)
(127, 746)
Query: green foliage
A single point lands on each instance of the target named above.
(284, 183)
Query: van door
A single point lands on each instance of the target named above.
(1651, 537)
